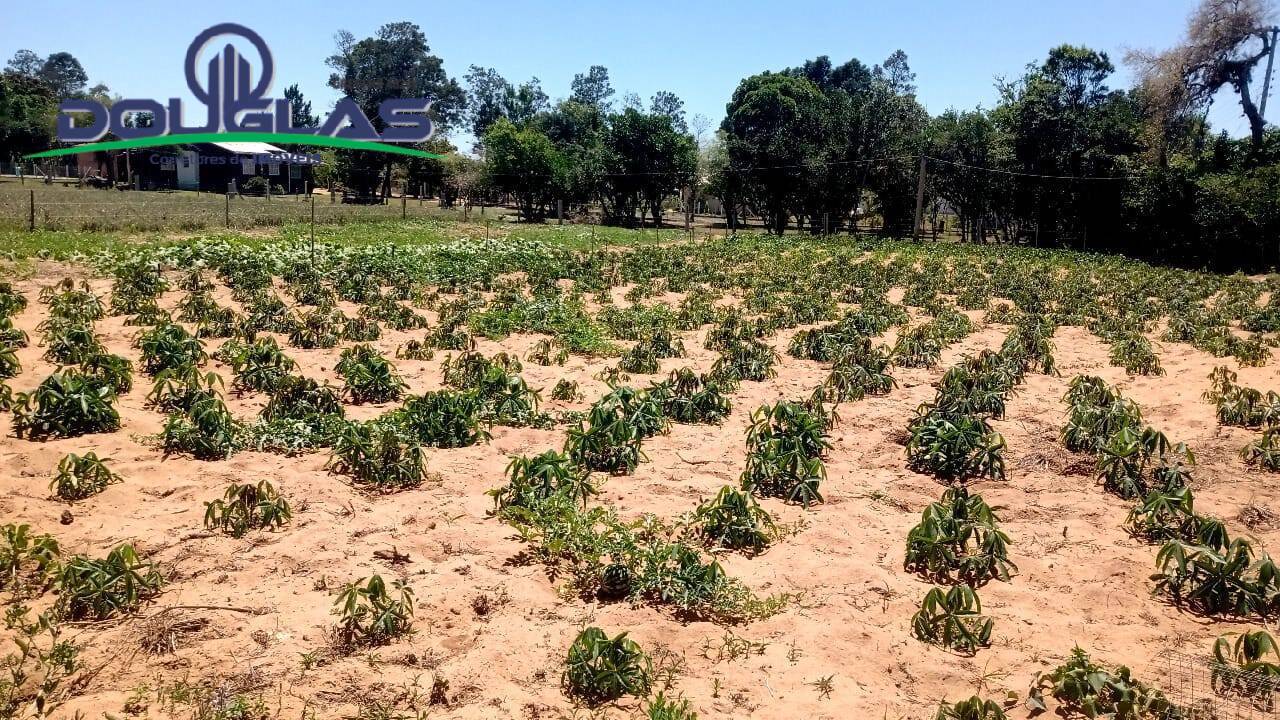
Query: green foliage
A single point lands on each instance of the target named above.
(104, 588)
(959, 540)
(785, 444)
(734, 520)
(27, 558)
(69, 341)
(1265, 451)
(1219, 579)
(745, 360)
(35, 673)
(247, 507)
(859, 370)
(169, 346)
(973, 708)
(532, 480)
(601, 669)
(1243, 668)
(442, 418)
(113, 370)
(1084, 687)
(260, 365)
(609, 438)
(1133, 353)
(954, 446)
(368, 376)
(952, 619)
(370, 616)
(379, 457)
(688, 397)
(82, 476)
(68, 403)
(206, 431)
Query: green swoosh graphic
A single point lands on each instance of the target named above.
(276, 138)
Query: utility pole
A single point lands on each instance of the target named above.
(1266, 82)
(915, 230)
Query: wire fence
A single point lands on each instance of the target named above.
(1201, 688)
(38, 206)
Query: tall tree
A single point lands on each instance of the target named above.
(63, 73)
(774, 131)
(593, 88)
(27, 108)
(25, 62)
(300, 115)
(394, 63)
(1225, 41)
(524, 163)
(667, 103)
(649, 159)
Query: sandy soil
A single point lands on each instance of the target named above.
(497, 631)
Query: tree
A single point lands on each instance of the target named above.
(971, 147)
(592, 88)
(25, 62)
(395, 63)
(63, 73)
(1065, 124)
(299, 109)
(27, 108)
(1224, 42)
(487, 98)
(774, 132)
(490, 97)
(669, 104)
(524, 163)
(649, 159)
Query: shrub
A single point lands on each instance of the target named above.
(368, 376)
(27, 557)
(1133, 463)
(415, 350)
(1247, 667)
(917, 347)
(746, 360)
(206, 431)
(859, 370)
(68, 403)
(1133, 353)
(179, 389)
(565, 390)
(601, 669)
(169, 346)
(69, 341)
(442, 418)
(954, 446)
(1219, 579)
(541, 354)
(113, 370)
(247, 507)
(959, 539)
(260, 365)
(734, 520)
(532, 480)
(379, 456)
(12, 301)
(68, 301)
(952, 619)
(688, 397)
(1083, 687)
(785, 444)
(313, 329)
(1265, 451)
(369, 615)
(82, 476)
(102, 589)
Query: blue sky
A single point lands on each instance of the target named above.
(698, 50)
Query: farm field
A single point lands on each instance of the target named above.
(720, 448)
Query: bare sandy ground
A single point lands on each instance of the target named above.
(497, 630)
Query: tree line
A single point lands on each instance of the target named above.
(1065, 158)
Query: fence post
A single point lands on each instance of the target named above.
(915, 230)
(226, 210)
(31, 213)
(404, 207)
(559, 211)
(313, 231)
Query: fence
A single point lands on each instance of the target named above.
(53, 207)
(1203, 689)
